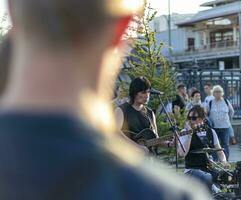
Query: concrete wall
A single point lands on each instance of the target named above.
(178, 39)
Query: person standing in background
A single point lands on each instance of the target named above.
(209, 94)
(220, 112)
(195, 100)
(179, 104)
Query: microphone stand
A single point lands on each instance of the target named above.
(174, 130)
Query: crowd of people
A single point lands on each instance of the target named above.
(50, 147)
(215, 112)
(218, 109)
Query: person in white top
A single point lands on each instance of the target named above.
(209, 93)
(210, 97)
(220, 111)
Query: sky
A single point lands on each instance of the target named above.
(3, 8)
(177, 6)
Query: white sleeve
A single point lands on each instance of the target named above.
(205, 102)
(207, 106)
(169, 107)
(215, 138)
(186, 141)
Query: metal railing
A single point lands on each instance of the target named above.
(211, 47)
(230, 81)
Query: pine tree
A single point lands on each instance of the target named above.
(146, 58)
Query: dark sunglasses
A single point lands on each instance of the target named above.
(193, 118)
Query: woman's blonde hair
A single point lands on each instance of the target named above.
(218, 88)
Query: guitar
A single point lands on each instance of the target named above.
(148, 138)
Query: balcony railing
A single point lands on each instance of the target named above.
(211, 47)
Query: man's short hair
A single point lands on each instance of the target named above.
(61, 21)
(195, 92)
(181, 85)
(208, 84)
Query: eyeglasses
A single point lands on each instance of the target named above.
(192, 118)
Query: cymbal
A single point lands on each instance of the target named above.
(207, 150)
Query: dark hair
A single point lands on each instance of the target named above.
(197, 110)
(139, 84)
(208, 84)
(195, 92)
(181, 85)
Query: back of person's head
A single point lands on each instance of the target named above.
(139, 84)
(66, 20)
(5, 58)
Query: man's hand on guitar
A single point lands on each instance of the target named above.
(171, 143)
(225, 164)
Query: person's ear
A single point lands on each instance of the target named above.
(120, 28)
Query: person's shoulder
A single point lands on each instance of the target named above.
(124, 105)
(149, 109)
(176, 99)
(156, 181)
(147, 188)
(209, 98)
(211, 130)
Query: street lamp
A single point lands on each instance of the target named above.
(169, 28)
(239, 16)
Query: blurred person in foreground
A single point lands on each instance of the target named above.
(5, 57)
(55, 124)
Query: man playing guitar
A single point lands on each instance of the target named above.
(133, 117)
(197, 162)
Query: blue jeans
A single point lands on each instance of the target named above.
(223, 136)
(202, 176)
(230, 132)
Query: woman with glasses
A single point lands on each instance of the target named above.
(196, 161)
(220, 111)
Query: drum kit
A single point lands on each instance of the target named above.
(227, 180)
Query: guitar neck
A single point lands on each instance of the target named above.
(158, 141)
(186, 132)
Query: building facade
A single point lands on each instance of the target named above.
(210, 39)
